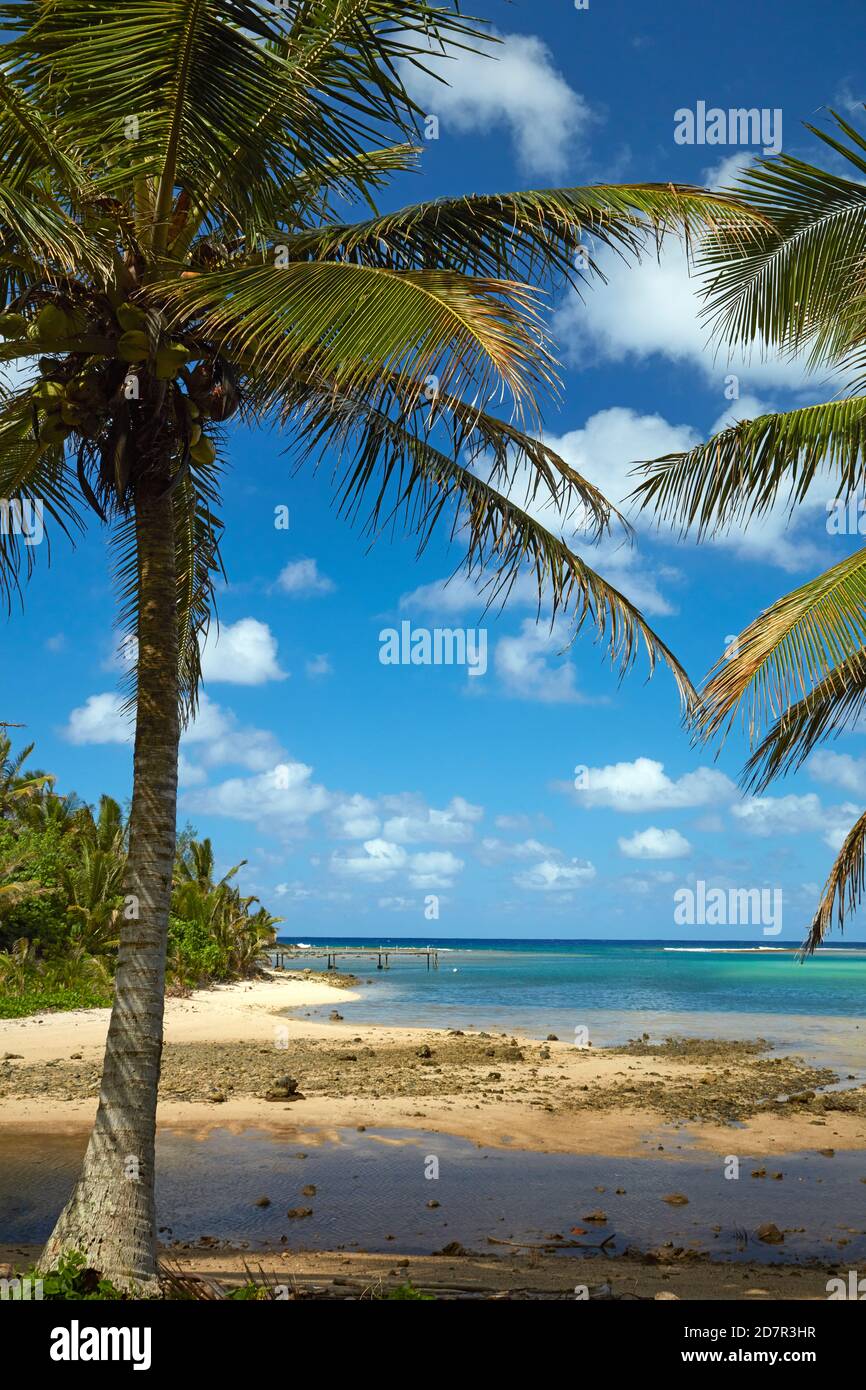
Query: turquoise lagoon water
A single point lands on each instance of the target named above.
(618, 990)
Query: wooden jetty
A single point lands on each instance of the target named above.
(382, 954)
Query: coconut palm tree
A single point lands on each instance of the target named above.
(171, 257)
(795, 282)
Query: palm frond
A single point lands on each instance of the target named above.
(843, 891)
(784, 282)
(36, 486)
(352, 324)
(410, 479)
(796, 643)
(741, 471)
(834, 704)
(533, 235)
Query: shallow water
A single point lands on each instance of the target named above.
(372, 1186)
(618, 990)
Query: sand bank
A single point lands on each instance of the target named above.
(226, 1047)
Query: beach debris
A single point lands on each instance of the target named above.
(827, 1153)
(433, 1203)
(676, 1199)
(620, 1192)
(284, 1088)
(759, 1173)
(778, 1176)
(600, 1217)
(770, 1234)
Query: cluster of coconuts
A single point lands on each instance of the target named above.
(80, 403)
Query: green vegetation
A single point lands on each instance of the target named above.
(62, 901)
(72, 1280)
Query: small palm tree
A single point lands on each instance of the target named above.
(796, 282)
(173, 259)
(16, 785)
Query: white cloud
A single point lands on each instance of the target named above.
(532, 666)
(643, 785)
(318, 666)
(516, 85)
(218, 738)
(189, 774)
(241, 653)
(494, 851)
(301, 579)
(653, 309)
(283, 798)
(555, 876)
(99, 720)
(765, 816)
(653, 843)
(434, 869)
(379, 860)
(354, 818)
(414, 821)
(839, 769)
(458, 594)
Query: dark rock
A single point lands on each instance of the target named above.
(770, 1234)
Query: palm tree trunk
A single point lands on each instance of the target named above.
(110, 1216)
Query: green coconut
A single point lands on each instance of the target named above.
(203, 452)
(170, 359)
(133, 346)
(13, 326)
(47, 392)
(131, 319)
(52, 322)
(54, 431)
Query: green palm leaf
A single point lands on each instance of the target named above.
(835, 703)
(410, 478)
(843, 891)
(789, 648)
(741, 471)
(354, 323)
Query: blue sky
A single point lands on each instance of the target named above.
(358, 791)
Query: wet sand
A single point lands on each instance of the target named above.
(521, 1275)
(228, 1048)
